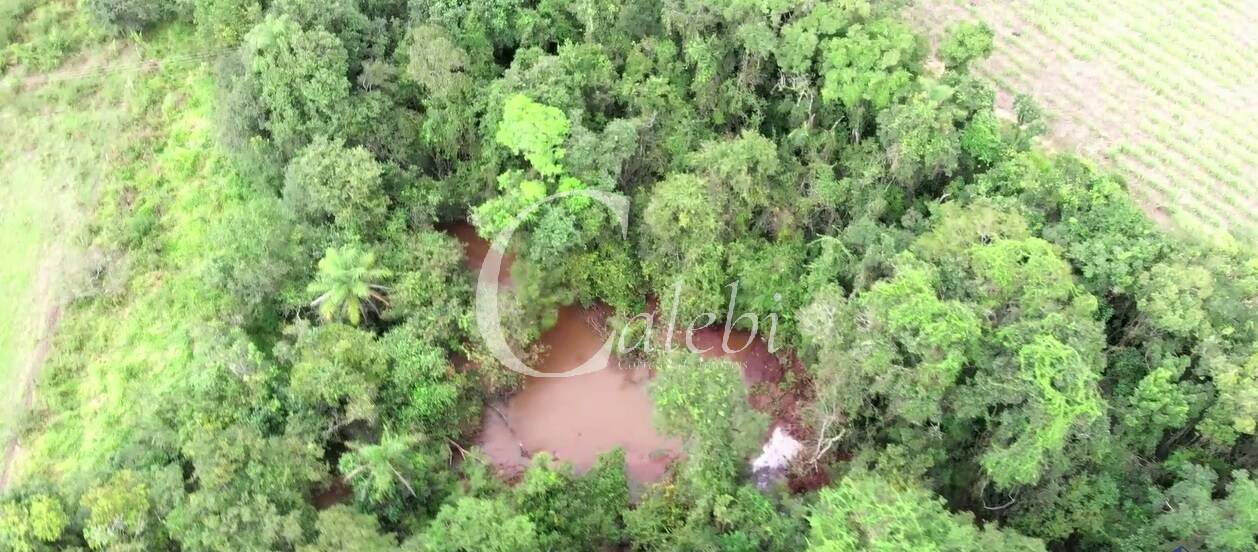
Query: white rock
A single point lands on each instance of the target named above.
(778, 452)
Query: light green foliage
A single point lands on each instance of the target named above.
(869, 69)
(867, 512)
(119, 515)
(1062, 396)
(1008, 312)
(965, 43)
(704, 402)
(342, 529)
(942, 334)
(981, 138)
(349, 286)
(898, 341)
(537, 131)
(1174, 296)
(1158, 403)
(1236, 410)
(33, 523)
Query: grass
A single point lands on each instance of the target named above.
(164, 192)
(1162, 91)
(64, 141)
(39, 35)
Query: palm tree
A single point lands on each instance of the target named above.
(349, 285)
(388, 471)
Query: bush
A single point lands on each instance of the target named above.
(131, 15)
(224, 23)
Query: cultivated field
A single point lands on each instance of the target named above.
(1164, 91)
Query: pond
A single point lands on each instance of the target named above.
(577, 419)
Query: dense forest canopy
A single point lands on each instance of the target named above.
(997, 349)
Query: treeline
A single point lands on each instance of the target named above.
(1001, 351)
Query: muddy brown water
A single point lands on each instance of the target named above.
(578, 419)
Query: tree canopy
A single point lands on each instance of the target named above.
(983, 344)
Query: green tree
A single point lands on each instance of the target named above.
(477, 525)
(1191, 516)
(394, 476)
(335, 376)
(250, 491)
(869, 69)
(1173, 298)
(965, 43)
(301, 81)
(537, 131)
(342, 529)
(867, 512)
(920, 137)
(575, 512)
(704, 402)
(224, 23)
(328, 181)
(32, 523)
(131, 15)
(120, 515)
(349, 286)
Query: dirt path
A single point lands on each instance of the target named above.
(92, 67)
(46, 286)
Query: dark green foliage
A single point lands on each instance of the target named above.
(485, 525)
(249, 491)
(340, 528)
(328, 182)
(224, 23)
(301, 78)
(571, 512)
(399, 475)
(131, 15)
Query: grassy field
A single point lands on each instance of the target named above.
(70, 120)
(1165, 92)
